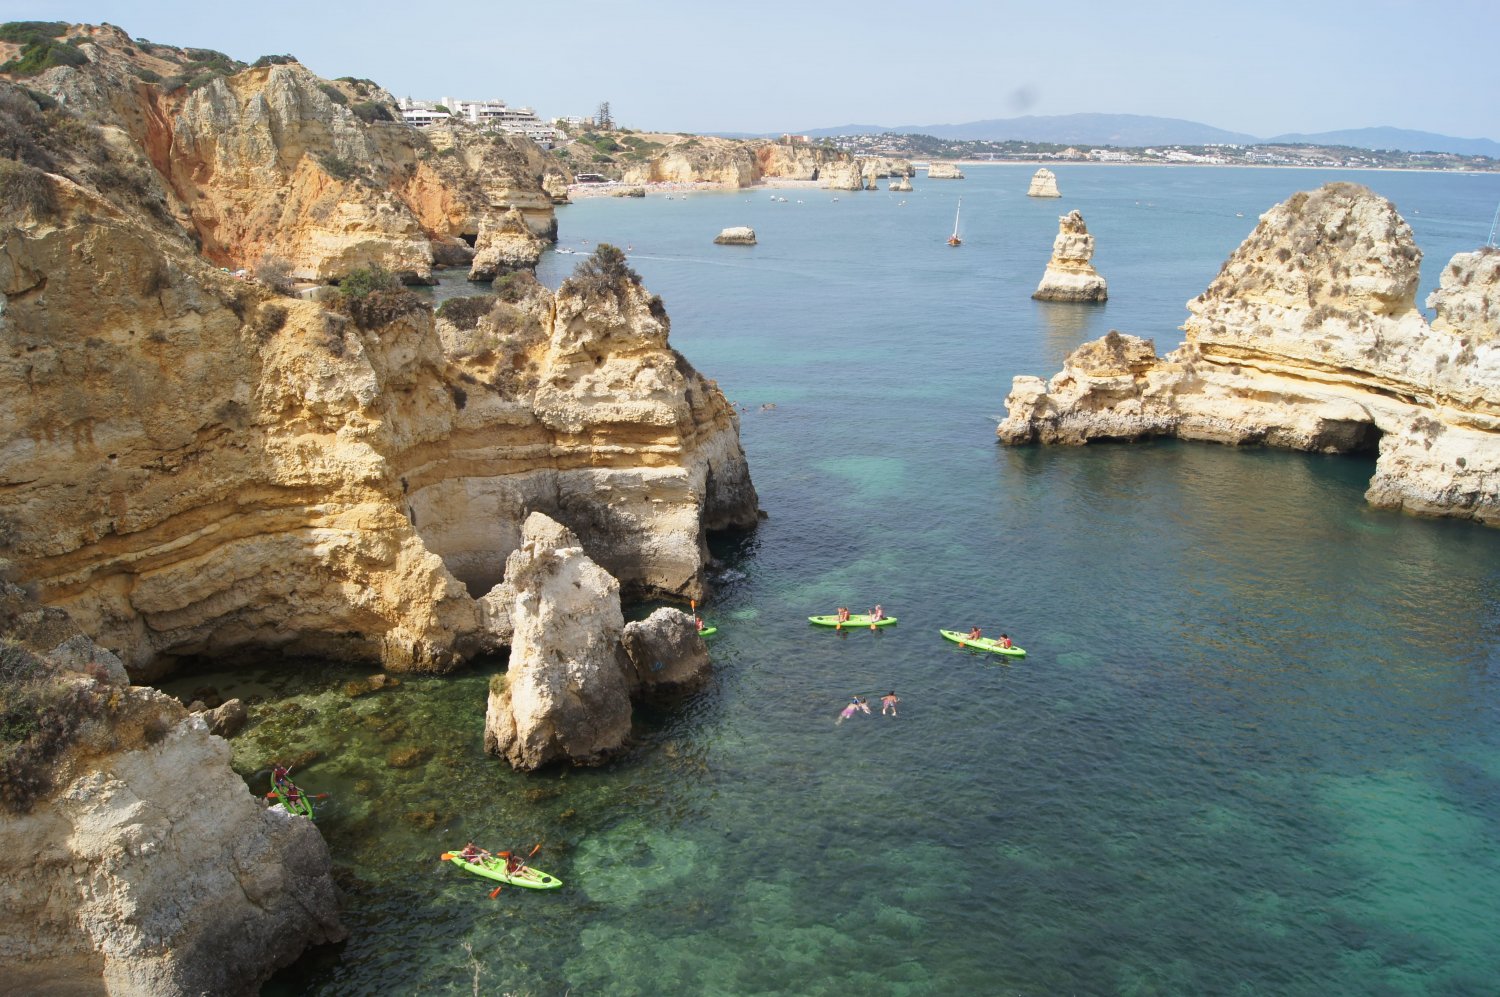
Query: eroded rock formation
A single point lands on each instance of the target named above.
(902, 184)
(1043, 184)
(944, 171)
(275, 164)
(565, 696)
(194, 466)
(505, 247)
(1069, 275)
(841, 176)
(741, 235)
(574, 664)
(1310, 339)
(143, 864)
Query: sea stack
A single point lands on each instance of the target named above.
(902, 184)
(1310, 339)
(1070, 276)
(944, 171)
(504, 248)
(1043, 184)
(842, 176)
(740, 235)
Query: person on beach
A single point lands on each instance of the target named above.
(974, 633)
(1005, 640)
(888, 703)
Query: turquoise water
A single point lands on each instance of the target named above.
(1253, 748)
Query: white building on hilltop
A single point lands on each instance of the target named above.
(491, 114)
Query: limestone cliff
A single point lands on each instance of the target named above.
(655, 157)
(944, 171)
(1310, 338)
(1043, 184)
(193, 466)
(1069, 275)
(142, 864)
(272, 163)
(842, 176)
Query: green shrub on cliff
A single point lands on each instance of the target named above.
(272, 60)
(43, 54)
(370, 112)
(333, 93)
(373, 296)
(465, 313)
(605, 272)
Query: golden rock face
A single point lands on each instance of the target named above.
(1309, 338)
(195, 465)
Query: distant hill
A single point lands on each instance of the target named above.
(1398, 138)
(1146, 130)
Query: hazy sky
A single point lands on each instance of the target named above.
(1257, 66)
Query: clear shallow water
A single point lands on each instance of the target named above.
(1253, 748)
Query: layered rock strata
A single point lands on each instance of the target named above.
(193, 466)
(741, 235)
(1310, 339)
(148, 867)
(574, 664)
(1043, 184)
(944, 171)
(1069, 275)
(903, 184)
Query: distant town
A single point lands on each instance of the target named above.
(1347, 157)
(496, 114)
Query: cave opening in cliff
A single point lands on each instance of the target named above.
(472, 238)
(1365, 440)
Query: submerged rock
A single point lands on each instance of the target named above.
(1069, 275)
(1309, 338)
(741, 235)
(1043, 184)
(665, 650)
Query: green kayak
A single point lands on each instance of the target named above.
(983, 644)
(854, 620)
(493, 867)
(292, 799)
(708, 631)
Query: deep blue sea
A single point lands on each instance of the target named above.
(1253, 748)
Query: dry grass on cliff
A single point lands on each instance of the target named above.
(42, 712)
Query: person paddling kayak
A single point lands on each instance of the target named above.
(975, 633)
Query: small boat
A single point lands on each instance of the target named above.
(708, 631)
(493, 867)
(954, 240)
(854, 620)
(982, 644)
(291, 798)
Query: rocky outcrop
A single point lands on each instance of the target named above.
(944, 171)
(903, 184)
(1069, 275)
(146, 865)
(795, 160)
(505, 248)
(665, 651)
(1043, 184)
(721, 162)
(841, 176)
(556, 186)
(193, 466)
(274, 164)
(565, 696)
(1310, 339)
(742, 235)
(879, 167)
(574, 663)
(628, 192)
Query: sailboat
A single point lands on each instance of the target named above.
(954, 240)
